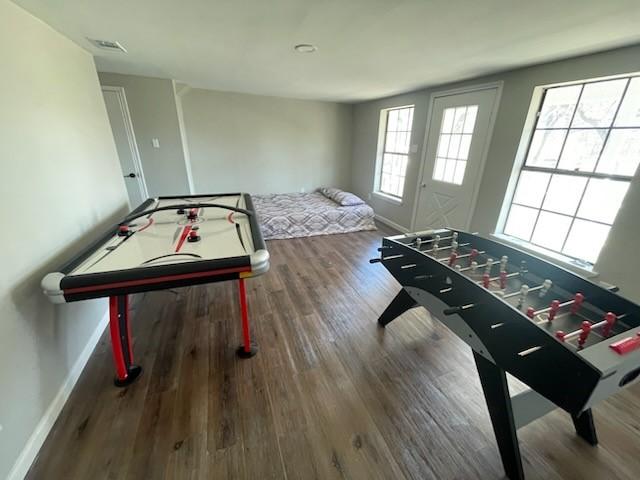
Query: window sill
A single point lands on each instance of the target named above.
(388, 198)
(557, 258)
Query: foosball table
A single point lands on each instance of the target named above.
(571, 341)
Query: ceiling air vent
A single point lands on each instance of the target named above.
(108, 45)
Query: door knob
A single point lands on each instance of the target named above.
(423, 185)
(130, 175)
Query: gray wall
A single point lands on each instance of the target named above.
(613, 265)
(265, 144)
(154, 114)
(60, 182)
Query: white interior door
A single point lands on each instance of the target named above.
(459, 132)
(122, 128)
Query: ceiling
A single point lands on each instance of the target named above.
(366, 48)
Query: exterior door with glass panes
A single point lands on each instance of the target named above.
(459, 130)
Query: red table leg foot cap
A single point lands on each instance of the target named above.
(132, 375)
(242, 353)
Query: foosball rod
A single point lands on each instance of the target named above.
(532, 289)
(493, 279)
(435, 239)
(458, 257)
(440, 249)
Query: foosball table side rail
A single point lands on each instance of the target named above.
(498, 331)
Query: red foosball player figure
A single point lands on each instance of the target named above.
(503, 280)
(610, 318)
(577, 303)
(584, 334)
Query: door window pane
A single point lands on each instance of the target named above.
(453, 144)
(470, 119)
(458, 120)
(447, 120)
(458, 176)
(465, 145)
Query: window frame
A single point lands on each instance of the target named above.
(381, 150)
(535, 108)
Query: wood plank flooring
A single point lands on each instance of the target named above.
(329, 395)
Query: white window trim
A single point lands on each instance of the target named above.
(382, 132)
(554, 257)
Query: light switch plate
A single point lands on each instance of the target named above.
(155, 142)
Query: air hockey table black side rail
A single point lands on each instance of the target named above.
(502, 336)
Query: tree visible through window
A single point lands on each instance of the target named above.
(395, 151)
(582, 155)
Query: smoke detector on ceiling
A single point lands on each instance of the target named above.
(108, 45)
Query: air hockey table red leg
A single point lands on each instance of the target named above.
(121, 345)
(247, 349)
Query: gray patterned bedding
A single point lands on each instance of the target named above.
(292, 215)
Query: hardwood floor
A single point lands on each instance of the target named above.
(329, 395)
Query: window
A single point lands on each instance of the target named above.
(394, 156)
(454, 143)
(582, 155)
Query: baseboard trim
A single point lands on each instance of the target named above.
(391, 223)
(39, 435)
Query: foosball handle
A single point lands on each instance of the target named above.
(375, 260)
(458, 309)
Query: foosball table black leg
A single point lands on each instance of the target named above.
(496, 394)
(585, 427)
(397, 307)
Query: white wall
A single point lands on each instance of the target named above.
(154, 114)
(263, 144)
(613, 265)
(60, 181)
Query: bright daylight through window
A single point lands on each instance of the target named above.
(395, 151)
(583, 153)
(454, 143)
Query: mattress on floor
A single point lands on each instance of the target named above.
(293, 215)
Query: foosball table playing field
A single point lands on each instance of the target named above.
(571, 341)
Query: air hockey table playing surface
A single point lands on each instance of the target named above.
(167, 249)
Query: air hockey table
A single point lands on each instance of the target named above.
(166, 242)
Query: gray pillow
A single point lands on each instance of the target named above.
(329, 192)
(347, 199)
(341, 197)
